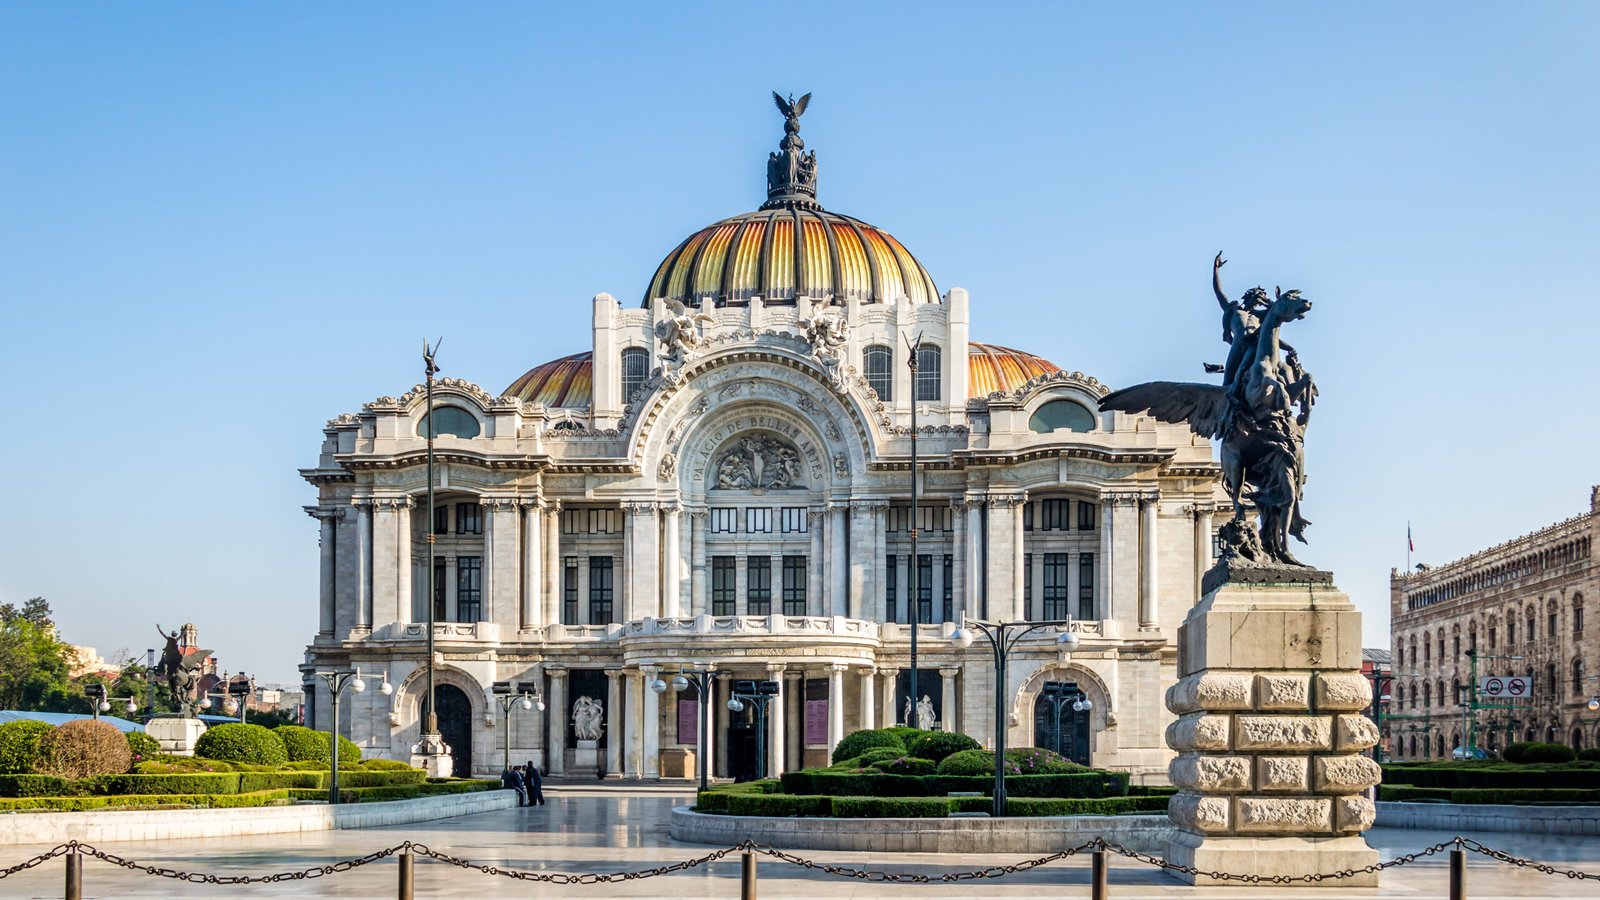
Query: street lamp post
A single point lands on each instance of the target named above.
(235, 694)
(100, 702)
(1383, 679)
(1003, 636)
(337, 681)
(509, 697)
(759, 693)
(914, 595)
(430, 739)
(702, 679)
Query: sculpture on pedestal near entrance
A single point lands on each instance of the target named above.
(181, 671)
(1260, 413)
(587, 714)
(925, 717)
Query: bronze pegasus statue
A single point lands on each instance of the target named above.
(1259, 413)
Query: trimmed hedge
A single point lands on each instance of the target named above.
(398, 791)
(19, 746)
(33, 785)
(382, 765)
(1099, 806)
(936, 745)
(208, 783)
(778, 805)
(858, 742)
(905, 765)
(1513, 796)
(1537, 752)
(1091, 783)
(302, 744)
(1497, 775)
(213, 801)
(892, 807)
(142, 745)
(882, 754)
(238, 742)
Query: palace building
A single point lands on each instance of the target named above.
(721, 477)
(1516, 610)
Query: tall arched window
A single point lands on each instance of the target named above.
(1533, 628)
(1577, 615)
(1550, 679)
(1427, 695)
(635, 368)
(1577, 676)
(1455, 691)
(930, 373)
(877, 362)
(1427, 653)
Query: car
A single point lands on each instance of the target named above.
(1475, 753)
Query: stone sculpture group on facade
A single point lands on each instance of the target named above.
(587, 716)
(764, 463)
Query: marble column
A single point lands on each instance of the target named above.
(972, 563)
(1111, 607)
(652, 723)
(614, 735)
(835, 707)
(838, 554)
(532, 567)
(948, 718)
(817, 525)
(1019, 559)
(1202, 548)
(671, 558)
(872, 609)
(890, 677)
(958, 569)
(698, 563)
(632, 726)
(777, 732)
(501, 584)
(867, 698)
(364, 564)
(328, 579)
(404, 604)
(553, 565)
(719, 695)
(1149, 594)
(794, 756)
(861, 544)
(487, 608)
(558, 711)
(1003, 574)
(630, 564)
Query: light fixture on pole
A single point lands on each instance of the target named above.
(100, 700)
(511, 696)
(337, 681)
(914, 573)
(701, 679)
(1003, 637)
(431, 742)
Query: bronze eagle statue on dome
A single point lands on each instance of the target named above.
(791, 108)
(1259, 413)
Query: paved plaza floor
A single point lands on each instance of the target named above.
(593, 829)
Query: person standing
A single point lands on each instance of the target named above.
(513, 781)
(535, 784)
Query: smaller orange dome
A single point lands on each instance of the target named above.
(991, 367)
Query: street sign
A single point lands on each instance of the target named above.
(1514, 686)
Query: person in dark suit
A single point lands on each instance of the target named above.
(535, 784)
(510, 780)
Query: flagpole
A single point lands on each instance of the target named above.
(1408, 546)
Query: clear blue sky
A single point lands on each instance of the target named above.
(221, 225)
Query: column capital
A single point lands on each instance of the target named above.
(838, 667)
(498, 503)
(1119, 498)
(325, 513)
(870, 503)
(671, 507)
(776, 668)
(613, 674)
(649, 671)
(949, 671)
(531, 503)
(699, 515)
(393, 502)
(640, 507)
(793, 675)
(556, 672)
(1007, 500)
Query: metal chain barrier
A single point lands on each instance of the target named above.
(76, 848)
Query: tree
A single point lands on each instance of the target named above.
(33, 661)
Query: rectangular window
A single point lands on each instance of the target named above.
(1552, 626)
(929, 377)
(1086, 586)
(1577, 621)
(441, 519)
(469, 589)
(1055, 586)
(1086, 515)
(949, 589)
(605, 521)
(758, 586)
(1054, 515)
(440, 573)
(724, 520)
(601, 589)
(899, 519)
(934, 518)
(924, 588)
(878, 363)
(1027, 516)
(794, 585)
(891, 588)
(1027, 585)
(794, 520)
(569, 590)
(758, 520)
(723, 591)
(468, 518)
(1511, 635)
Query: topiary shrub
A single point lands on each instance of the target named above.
(1550, 753)
(19, 746)
(1026, 761)
(238, 742)
(1590, 755)
(881, 754)
(967, 762)
(83, 747)
(1516, 751)
(302, 743)
(936, 745)
(906, 765)
(383, 765)
(166, 764)
(858, 742)
(142, 746)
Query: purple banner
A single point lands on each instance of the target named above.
(689, 722)
(816, 722)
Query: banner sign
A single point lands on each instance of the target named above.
(1512, 686)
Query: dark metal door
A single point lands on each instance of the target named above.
(455, 726)
(1066, 733)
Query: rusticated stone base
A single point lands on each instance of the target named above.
(1270, 856)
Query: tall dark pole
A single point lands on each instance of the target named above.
(914, 598)
(431, 723)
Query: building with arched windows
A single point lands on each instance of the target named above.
(722, 477)
(1519, 609)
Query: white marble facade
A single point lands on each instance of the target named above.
(748, 508)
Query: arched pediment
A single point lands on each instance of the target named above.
(1093, 687)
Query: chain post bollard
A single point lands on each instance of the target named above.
(74, 889)
(747, 876)
(407, 874)
(1458, 874)
(1097, 875)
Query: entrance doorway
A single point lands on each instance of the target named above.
(455, 726)
(1057, 726)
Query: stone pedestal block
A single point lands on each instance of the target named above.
(585, 759)
(1269, 736)
(176, 735)
(432, 755)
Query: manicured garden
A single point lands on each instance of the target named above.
(91, 765)
(910, 773)
(1526, 774)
